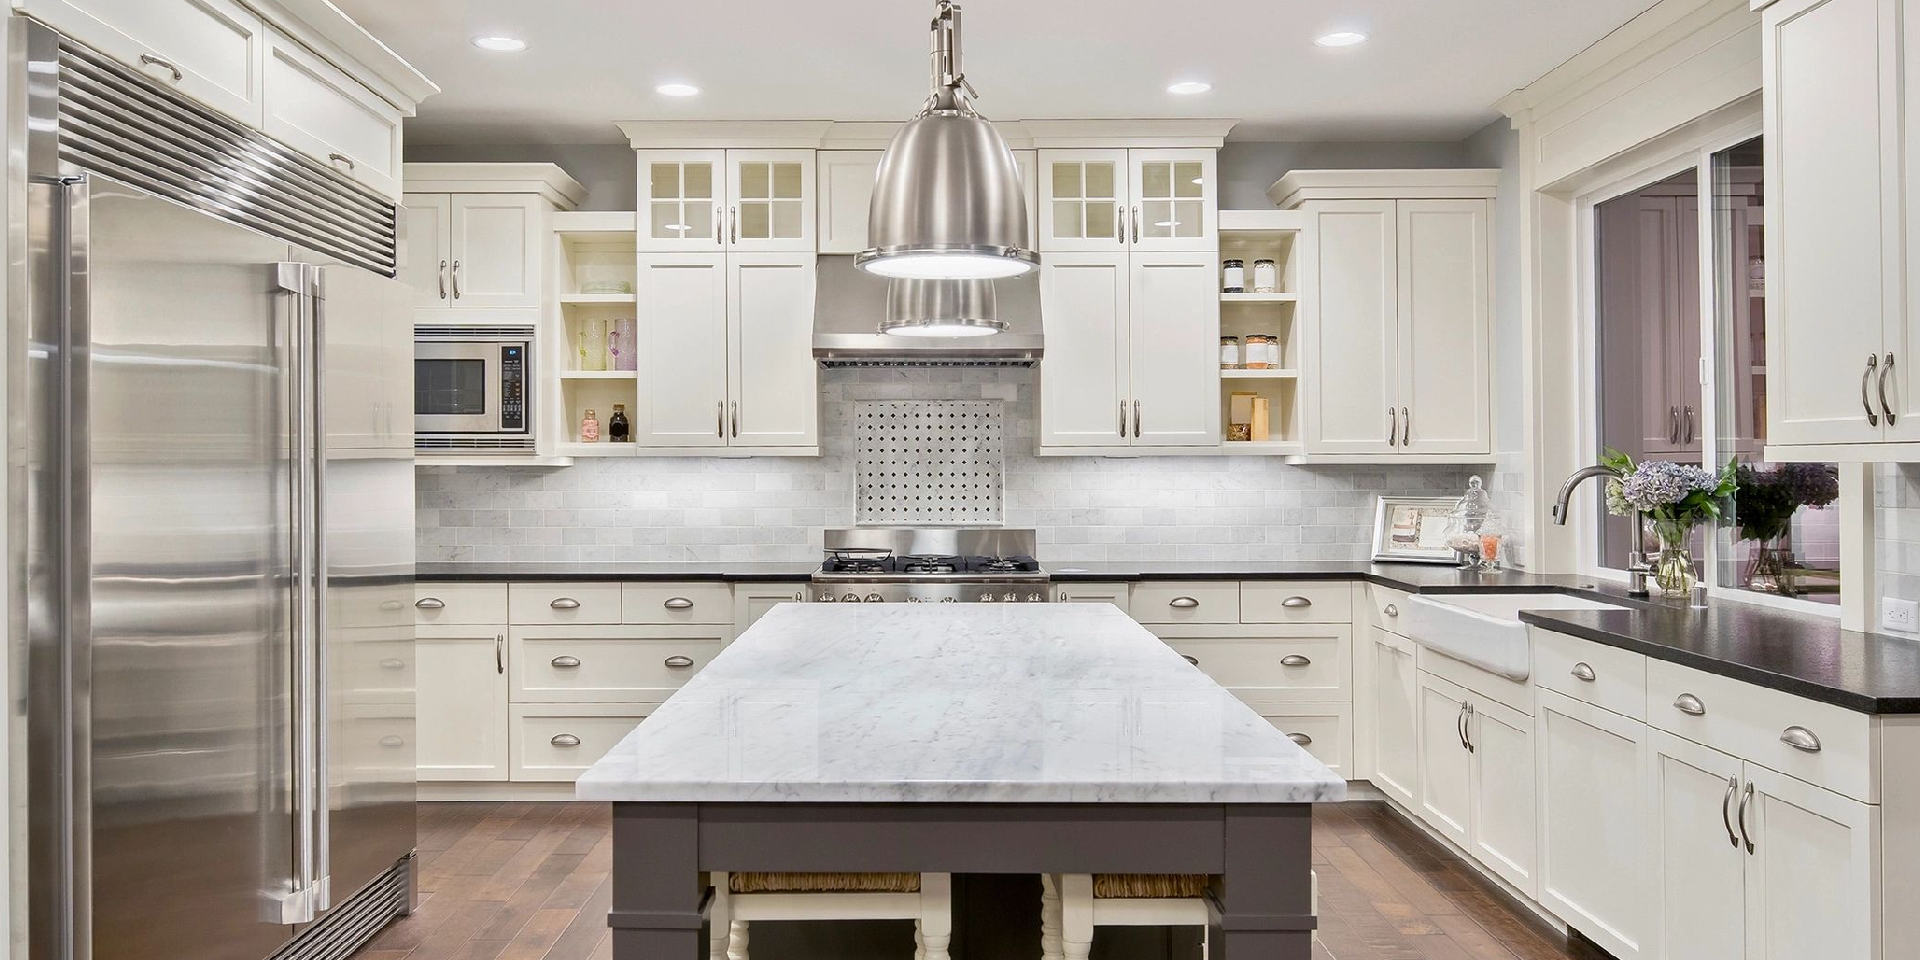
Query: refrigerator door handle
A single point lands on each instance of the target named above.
(320, 716)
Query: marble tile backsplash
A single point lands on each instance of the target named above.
(1084, 508)
(1897, 529)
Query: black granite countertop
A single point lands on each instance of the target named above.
(741, 572)
(1412, 577)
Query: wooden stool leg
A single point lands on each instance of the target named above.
(719, 918)
(1076, 915)
(737, 941)
(936, 915)
(1050, 918)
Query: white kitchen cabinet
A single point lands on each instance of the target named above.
(727, 200)
(751, 601)
(1175, 204)
(1392, 726)
(1323, 729)
(209, 50)
(1143, 199)
(845, 196)
(1593, 824)
(1144, 367)
(1812, 873)
(558, 742)
(1352, 360)
(318, 109)
(1697, 878)
(727, 351)
(1114, 593)
(475, 250)
(461, 699)
(1500, 742)
(426, 225)
(1446, 768)
(1444, 329)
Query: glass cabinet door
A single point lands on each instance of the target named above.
(1173, 200)
(772, 205)
(682, 200)
(1083, 199)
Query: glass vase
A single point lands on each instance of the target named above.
(1770, 569)
(1673, 566)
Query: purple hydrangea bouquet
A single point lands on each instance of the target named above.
(1676, 497)
(1765, 501)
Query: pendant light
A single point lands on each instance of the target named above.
(941, 308)
(947, 202)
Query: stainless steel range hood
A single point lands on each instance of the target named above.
(849, 305)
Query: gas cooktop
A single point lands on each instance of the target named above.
(931, 565)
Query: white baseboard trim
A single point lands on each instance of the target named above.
(492, 790)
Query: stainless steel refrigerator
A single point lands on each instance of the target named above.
(212, 527)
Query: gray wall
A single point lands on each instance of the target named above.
(605, 169)
(1248, 168)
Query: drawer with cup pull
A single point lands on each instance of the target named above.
(1820, 743)
(1283, 601)
(1607, 677)
(1186, 601)
(536, 603)
(459, 602)
(561, 742)
(1306, 662)
(1324, 730)
(1384, 605)
(678, 603)
(609, 664)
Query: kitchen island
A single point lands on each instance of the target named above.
(959, 739)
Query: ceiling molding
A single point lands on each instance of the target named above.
(738, 134)
(1302, 186)
(876, 134)
(545, 179)
(325, 26)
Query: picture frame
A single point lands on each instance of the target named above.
(1412, 530)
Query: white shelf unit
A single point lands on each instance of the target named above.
(592, 248)
(1280, 236)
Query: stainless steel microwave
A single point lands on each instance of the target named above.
(472, 388)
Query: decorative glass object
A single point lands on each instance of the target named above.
(621, 345)
(1673, 566)
(593, 345)
(1468, 528)
(589, 428)
(1770, 568)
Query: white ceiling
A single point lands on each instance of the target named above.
(1432, 70)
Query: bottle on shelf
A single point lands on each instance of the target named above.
(590, 428)
(618, 430)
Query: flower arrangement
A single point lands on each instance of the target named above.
(1766, 500)
(1675, 496)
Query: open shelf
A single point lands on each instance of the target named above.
(601, 449)
(598, 298)
(1271, 373)
(1259, 297)
(1266, 448)
(599, 374)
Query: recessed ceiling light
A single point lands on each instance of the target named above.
(1343, 38)
(677, 90)
(1189, 87)
(500, 44)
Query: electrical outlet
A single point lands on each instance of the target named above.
(1901, 615)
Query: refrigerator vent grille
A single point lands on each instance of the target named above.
(464, 334)
(122, 125)
(351, 923)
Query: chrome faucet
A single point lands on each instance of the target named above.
(1638, 566)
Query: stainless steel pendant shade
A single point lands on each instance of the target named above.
(948, 202)
(941, 308)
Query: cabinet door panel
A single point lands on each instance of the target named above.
(1396, 755)
(1174, 328)
(1114, 593)
(462, 704)
(496, 250)
(426, 223)
(1083, 201)
(1826, 145)
(1444, 318)
(1084, 388)
(1812, 872)
(1352, 348)
(683, 200)
(683, 350)
(215, 43)
(1901, 338)
(330, 116)
(1698, 896)
(1446, 769)
(770, 198)
(1503, 792)
(775, 396)
(1592, 821)
(1173, 200)
(845, 195)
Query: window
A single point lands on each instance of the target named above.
(1657, 400)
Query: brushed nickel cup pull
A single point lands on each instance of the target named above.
(1294, 660)
(150, 60)
(1391, 610)
(392, 663)
(678, 662)
(565, 603)
(392, 740)
(1690, 705)
(678, 603)
(1295, 603)
(1801, 739)
(1183, 603)
(390, 605)
(1300, 738)
(1581, 671)
(430, 603)
(1190, 659)
(566, 663)
(564, 740)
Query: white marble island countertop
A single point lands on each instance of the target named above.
(1067, 703)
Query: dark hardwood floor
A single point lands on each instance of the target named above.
(528, 881)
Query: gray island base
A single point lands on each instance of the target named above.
(964, 739)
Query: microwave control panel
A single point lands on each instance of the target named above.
(513, 388)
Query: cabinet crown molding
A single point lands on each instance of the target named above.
(318, 23)
(545, 179)
(1301, 186)
(876, 134)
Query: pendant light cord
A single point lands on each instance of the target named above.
(951, 91)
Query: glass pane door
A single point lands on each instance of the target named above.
(683, 201)
(1083, 199)
(770, 195)
(1172, 199)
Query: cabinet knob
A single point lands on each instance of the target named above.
(1294, 660)
(1183, 603)
(678, 603)
(430, 603)
(1391, 610)
(1800, 738)
(392, 663)
(564, 603)
(1300, 738)
(1296, 603)
(1581, 671)
(1690, 705)
(566, 663)
(564, 740)
(392, 740)
(678, 662)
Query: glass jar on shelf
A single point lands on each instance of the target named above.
(1229, 353)
(589, 428)
(1233, 276)
(1266, 279)
(1258, 352)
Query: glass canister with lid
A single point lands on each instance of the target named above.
(1233, 276)
(1259, 351)
(1229, 353)
(1266, 279)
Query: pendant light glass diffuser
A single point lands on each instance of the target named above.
(941, 308)
(948, 203)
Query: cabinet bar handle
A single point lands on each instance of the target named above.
(678, 603)
(1873, 363)
(1801, 739)
(565, 740)
(720, 419)
(456, 279)
(1190, 659)
(1460, 725)
(1690, 705)
(1687, 412)
(342, 158)
(152, 61)
(719, 228)
(564, 603)
(1136, 419)
(1136, 224)
(736, 419)
(1746, 798)
(430, 603)
(1884, 405)
(1467, 726)
(1393, 427)
(1726, 811)
(566, 663)
(1300, 738)
(1123, 419)
(1673, 424)
(1295, 603)
(733, 224)
(678, 662)
(1391, 610)
(1295, 660)
(443, 279)
(1183, 603)
(499, 653)
(1119, 224)
(1406, 427)
(1581, 671)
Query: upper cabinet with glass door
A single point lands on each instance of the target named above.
(1106, 200)
(720, 200)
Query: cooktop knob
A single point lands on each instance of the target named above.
(913, 599)
(875, 598)
(986, 598)
(1033, 598)
(850, 598)
(946, 600)
(827, 597)
(1010, 597)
